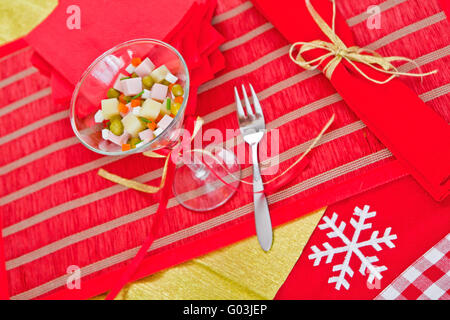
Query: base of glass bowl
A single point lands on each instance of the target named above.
(197, 188)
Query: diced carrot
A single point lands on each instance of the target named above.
(152, 125)
(160, 116)
(171, 86)
(179, 100)
(136, 61)
(122, 98)
(123, 108)
(126, 147)
(136, 102)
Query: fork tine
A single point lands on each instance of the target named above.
(248, 107)
(240, 110)
(258, 108)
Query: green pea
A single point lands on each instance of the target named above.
(148, 82)
(116, 127)
(113, 118)
(116, 117)
(133, 142)
(113, 93)
(175, 107)
(165, 82)
(127, 99)
(177, 90)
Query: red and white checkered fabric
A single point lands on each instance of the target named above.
(426, 279)
(57, 212)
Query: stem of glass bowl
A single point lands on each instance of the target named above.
(198, 188)
(199, 170)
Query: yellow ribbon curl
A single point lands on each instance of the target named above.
(339, 51)
(132, 184)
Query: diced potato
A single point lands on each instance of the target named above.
(110, 108)
(160, 73)
(132, 124)
(150, 109)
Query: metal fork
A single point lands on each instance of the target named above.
(253, 128)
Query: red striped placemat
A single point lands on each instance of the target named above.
(56, 212)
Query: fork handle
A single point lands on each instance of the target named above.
(262, 215)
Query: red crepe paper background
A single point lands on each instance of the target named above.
(56, 176)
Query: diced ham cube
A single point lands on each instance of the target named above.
(159, 91)
(164, 122)
(146, 135)
(130, 69)
(147, 94)
(171, 78)
(132, 86)
(119, 140)
(98, 118)
(105, 134)
(118, 84)
(145, 68)
(158, 131)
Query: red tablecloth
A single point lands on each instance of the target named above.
(57, 212)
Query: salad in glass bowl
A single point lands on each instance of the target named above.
(131, 99)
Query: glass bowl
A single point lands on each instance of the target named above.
(194, 185)
(102, 74)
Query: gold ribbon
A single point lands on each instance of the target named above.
(339, 51)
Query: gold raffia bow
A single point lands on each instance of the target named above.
(339, 51)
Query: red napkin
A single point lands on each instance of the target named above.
(64, 54)
(445, 5)
(414, 133)
(400, 205)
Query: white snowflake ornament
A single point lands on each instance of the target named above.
(352, 247)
